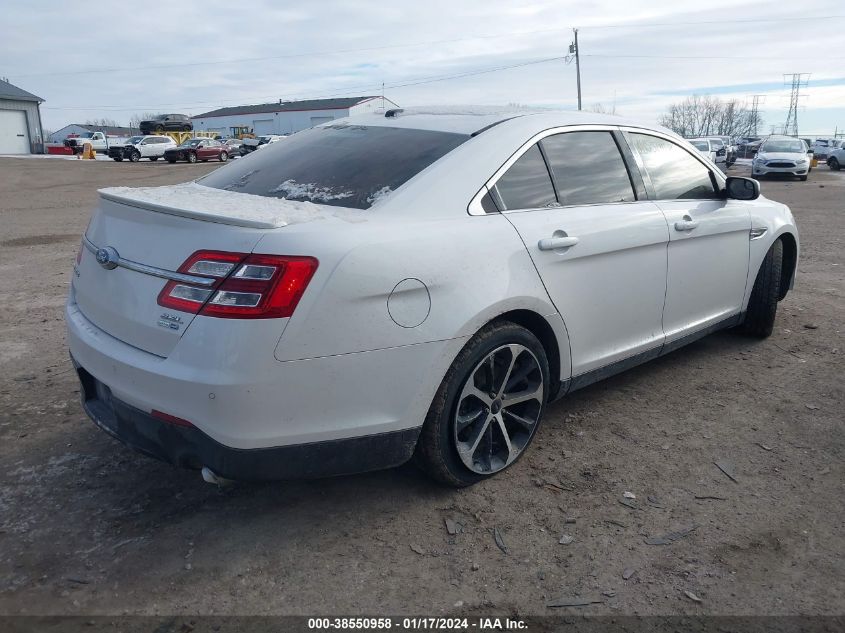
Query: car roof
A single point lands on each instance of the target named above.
(474, 120)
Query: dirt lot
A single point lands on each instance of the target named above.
(88, 527)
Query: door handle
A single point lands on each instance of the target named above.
(686, 225)
(555, 243)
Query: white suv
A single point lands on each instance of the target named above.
(138, 147)
(416, 283)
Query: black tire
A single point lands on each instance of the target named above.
(135, 156)
(192, 158)
(833, 164)
(224, 156)
(172, 161)
(117, 159)
(159, 129)
(763, 304)
(436, 451)
(803, 178)
(153, 158)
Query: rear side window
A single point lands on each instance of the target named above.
(527, 184)
(342, 165)
(587, 168)
(674, 173)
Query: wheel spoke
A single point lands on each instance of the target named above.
(503, 429)
(518, 376)
(522, 421)
(472, 390)
(469, 448)
(514, 350)
(464, 420)
(510, 399)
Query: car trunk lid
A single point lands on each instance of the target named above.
(153, 231)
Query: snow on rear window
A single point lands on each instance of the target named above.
(293, 190)
(342, 165)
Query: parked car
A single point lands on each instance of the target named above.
(423, 284)
(251, 144)
(138, 147)
(202, 149)
(705, 148)
(821, 147)
(782, 155)
(836, 156)
(233, 146)
(166, 123)
(719, 147)
(730, 150)
(99, 141)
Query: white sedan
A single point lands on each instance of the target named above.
(409, 284)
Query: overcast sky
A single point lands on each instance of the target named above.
(93, 59)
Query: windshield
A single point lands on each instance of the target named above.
(789, 146)
(191, 142)
(87, 135)
(701, 145)
(717, 142)
(135, 140)
(343, 165)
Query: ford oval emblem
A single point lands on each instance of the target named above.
(107, 257)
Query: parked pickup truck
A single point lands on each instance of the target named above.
(99, 141)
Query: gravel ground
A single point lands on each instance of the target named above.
(89, 527)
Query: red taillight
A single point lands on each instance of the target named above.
(170, 419)
(245, 286)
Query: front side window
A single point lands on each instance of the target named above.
(674, 173)
(527, 184)
(587, 168)
(343, 165)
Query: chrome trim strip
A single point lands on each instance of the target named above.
(153, 270)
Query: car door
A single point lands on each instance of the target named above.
(600, 251)
(708, 235)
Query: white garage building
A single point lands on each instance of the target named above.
(286, 117)
(20, 121)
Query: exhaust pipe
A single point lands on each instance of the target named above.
(211, 477)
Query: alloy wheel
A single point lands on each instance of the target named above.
(498, 409)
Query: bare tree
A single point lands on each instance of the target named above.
(599, 108)
(104, 122)
(135, 119)
(709, 116)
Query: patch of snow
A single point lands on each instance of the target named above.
(310, 191)
(378, 196)
(225, 207)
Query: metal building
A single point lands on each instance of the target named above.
(81, 128)
(20, 121)
(285, 117)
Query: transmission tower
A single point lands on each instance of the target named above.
(755, 112)
(796, 81)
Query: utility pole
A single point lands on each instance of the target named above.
(573, 48)
(796, 81)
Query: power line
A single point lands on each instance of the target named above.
(412, 82)
(425, 43)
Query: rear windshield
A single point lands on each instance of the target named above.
(701, 145)
(342, 165)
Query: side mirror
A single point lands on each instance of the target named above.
(809, 151)
(742, 188)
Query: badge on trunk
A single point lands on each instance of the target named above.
(107, 257)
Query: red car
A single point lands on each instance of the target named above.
(195, 149)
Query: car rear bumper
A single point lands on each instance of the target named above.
(189, 447)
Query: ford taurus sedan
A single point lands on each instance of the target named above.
(405, 285)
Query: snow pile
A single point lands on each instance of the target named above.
(310, 191)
